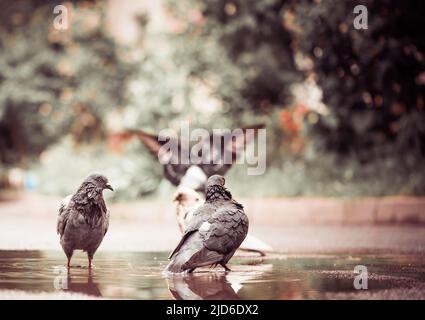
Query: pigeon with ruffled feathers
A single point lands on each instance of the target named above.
(84, 218)
(213, 234)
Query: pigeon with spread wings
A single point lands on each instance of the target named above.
(190, 178)
(213, 157)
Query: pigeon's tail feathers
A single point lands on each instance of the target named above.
(183, 240)
(192, 254)
(188, 246)
(204, 257)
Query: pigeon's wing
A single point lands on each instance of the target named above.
(63, 215)
(199, 217)
(222, 234)
(226, 229)
(106, 221)
(174, 170)
(182, 260)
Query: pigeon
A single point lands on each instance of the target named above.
(214, 233)
(84, 218)
(188, 200)
(190, 178)
(177, 171)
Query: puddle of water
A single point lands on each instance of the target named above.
(138, 275)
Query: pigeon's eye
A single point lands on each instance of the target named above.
(101, 180)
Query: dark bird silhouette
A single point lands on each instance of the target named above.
(214, 233)
(194, 175)
(83, 218)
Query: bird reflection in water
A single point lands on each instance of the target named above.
(83, 283)
(207, 285)
(201, 286)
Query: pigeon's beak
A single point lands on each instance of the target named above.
(108, 186)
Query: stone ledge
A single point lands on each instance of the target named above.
(266, 211)
(385, 210)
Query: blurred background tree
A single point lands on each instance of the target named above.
(373, 79)
(55, 82)
(344, 108)
(242, 52)
(253, 62)
(266, 58)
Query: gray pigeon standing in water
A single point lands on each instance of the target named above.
(214, 233)
(83, 218)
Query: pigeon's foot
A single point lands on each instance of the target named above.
(68, 264)
(225, 267)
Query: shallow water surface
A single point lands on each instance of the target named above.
(138, 275)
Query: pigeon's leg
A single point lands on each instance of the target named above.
(225, 267)
(69, 256)
(90, 257)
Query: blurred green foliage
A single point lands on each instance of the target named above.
(222, 64)
(371, 134)
(243, 48)
(372, 79)
(132, 176)
(54, 82)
